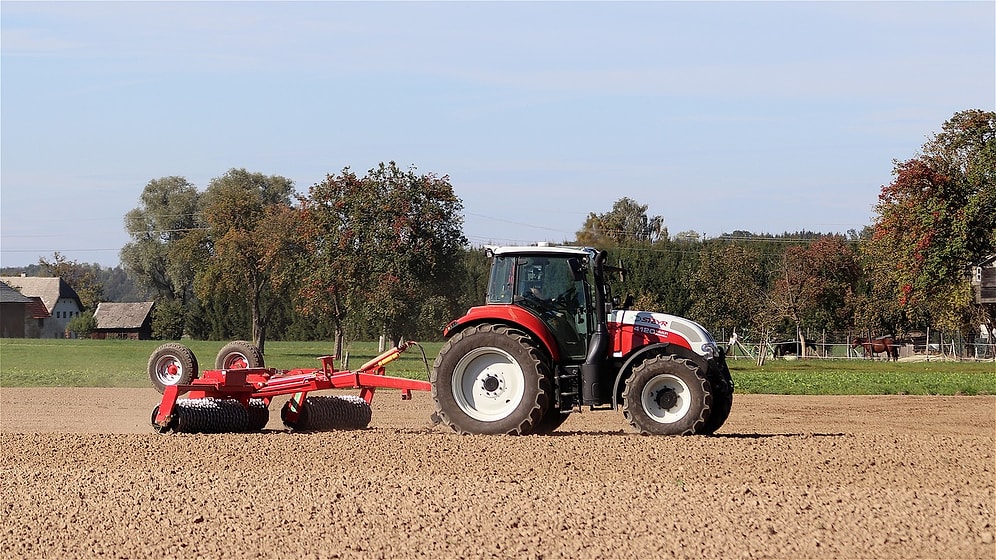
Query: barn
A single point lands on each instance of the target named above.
(124, 320)
(984, 280)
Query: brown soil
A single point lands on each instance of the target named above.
(787, 477)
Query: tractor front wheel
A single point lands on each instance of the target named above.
(666, 395)
(171, 364)
(491, 379)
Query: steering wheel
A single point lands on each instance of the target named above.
(567, 299)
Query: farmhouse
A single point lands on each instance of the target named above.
(124, 320)
(52, 296)
(984, 280)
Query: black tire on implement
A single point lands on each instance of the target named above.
(491, 379)
(171, 364)
(239, 354)
(667, 395)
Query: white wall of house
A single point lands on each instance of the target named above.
(63, 312)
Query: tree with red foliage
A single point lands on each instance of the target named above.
(935, 219)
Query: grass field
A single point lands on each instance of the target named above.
(123, 363)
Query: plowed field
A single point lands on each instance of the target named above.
(85, 476)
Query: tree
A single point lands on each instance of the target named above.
(166, 248)
(813, 286)
(254, 243)
(935, 219)
(81, 277)
(728, 287)
(382, 249)
(658, 274)
(167, 214)
(626, 222)
(83, 324)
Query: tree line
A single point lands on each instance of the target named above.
(383, 254)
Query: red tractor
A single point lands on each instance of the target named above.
(551, 339)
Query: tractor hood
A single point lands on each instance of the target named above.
(631, 330)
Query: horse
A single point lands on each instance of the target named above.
(792, 347)
(878, 345)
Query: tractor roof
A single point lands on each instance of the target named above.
(541, 250)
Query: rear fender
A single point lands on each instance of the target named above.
(512, 315)
(650, 351)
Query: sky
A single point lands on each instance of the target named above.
(767, 117)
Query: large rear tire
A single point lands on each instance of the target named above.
(239, 354)
(491, 379)
(171, 364)
(667, 395)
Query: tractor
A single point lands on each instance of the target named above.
(551, 339)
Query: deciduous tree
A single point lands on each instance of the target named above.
(627, 222)
(935, 219)
(383, 248)
(255, 245)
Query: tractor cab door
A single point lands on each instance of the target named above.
(554, 288)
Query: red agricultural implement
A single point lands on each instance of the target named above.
(235, 397)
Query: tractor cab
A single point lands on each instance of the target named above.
(552, 283)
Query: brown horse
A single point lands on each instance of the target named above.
(878, 345)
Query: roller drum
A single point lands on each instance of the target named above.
(323, 413)
(211, 416)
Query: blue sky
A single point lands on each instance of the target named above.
(767, 117)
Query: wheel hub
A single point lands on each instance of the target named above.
(666, 398)
(492, 384)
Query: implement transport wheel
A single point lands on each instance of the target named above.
(326, 413)
(666, 395)
(171, 364)
(239, 354)
(491, 379)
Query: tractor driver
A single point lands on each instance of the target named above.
(531, 280)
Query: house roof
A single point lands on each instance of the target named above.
(37, 309)
(122, 315)
(10, 295)
(50, 290)
(986, 261)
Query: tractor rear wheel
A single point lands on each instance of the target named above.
(171, 364)
(239, 354)
(667, 395)
(491, 379)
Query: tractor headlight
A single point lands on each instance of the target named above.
(710, 350)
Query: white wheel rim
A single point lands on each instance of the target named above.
(672, 387)
(169, 370)
(487, 384)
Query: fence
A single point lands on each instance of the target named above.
(921, 345)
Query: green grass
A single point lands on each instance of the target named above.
(864, 377)
(123, 363)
